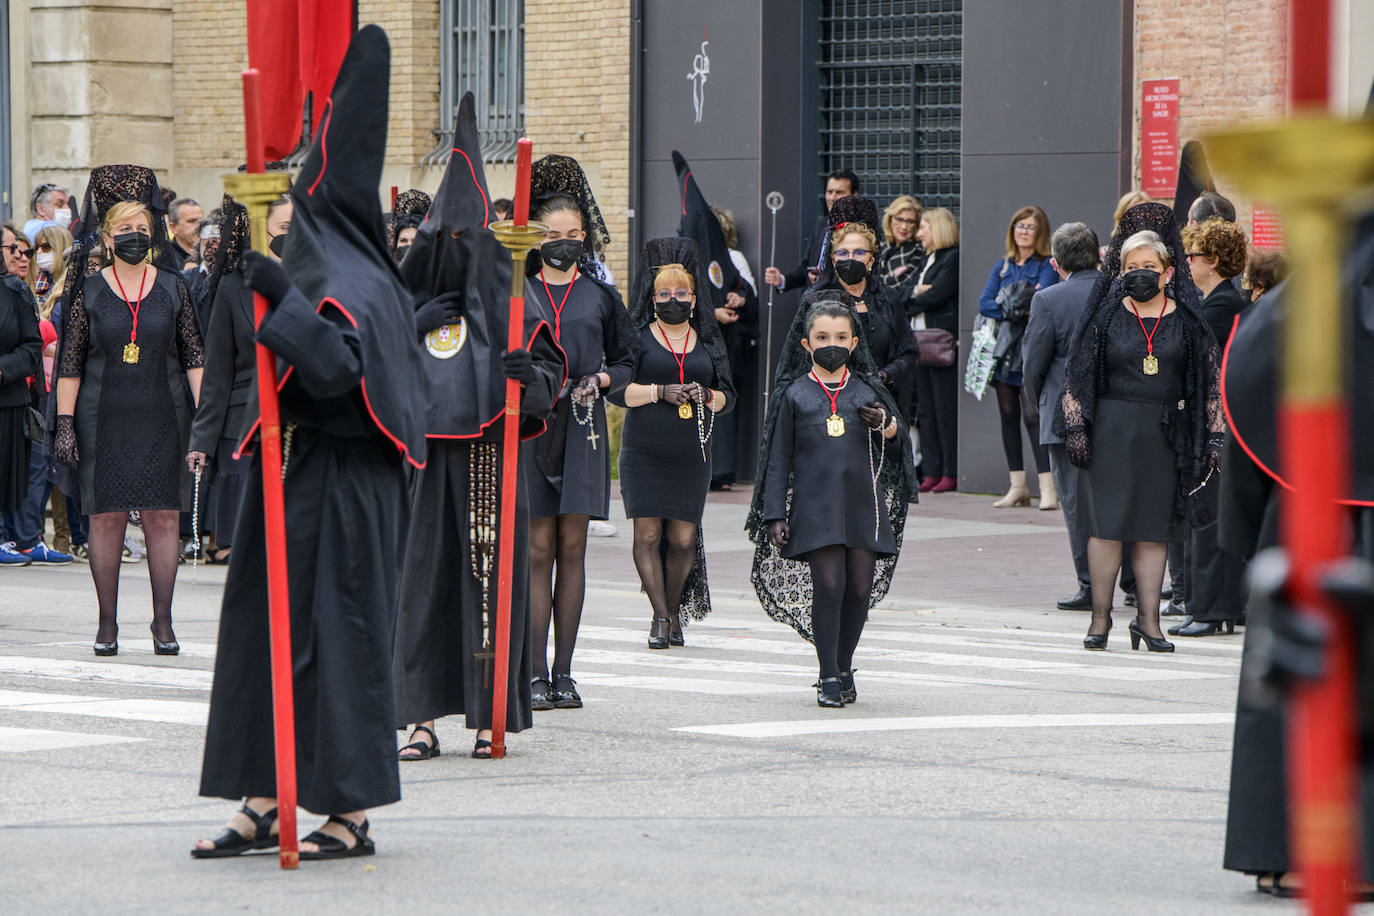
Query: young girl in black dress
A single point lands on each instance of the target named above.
(682, 383)
(834, 493)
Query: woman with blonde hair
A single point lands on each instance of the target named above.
(1127, 201)
(48, 267)
(902, 254)
(934, 305)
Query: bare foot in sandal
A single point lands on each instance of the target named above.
(420, 747)
(253, 827)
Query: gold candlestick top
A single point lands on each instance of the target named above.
(256, 191)
(519, 238)
(1311, 158)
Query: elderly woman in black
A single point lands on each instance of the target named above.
(129, 369)
(1141, 412)
(681, 383)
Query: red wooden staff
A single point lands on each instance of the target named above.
(510, 456)
(274, 512)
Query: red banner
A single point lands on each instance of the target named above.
(1159, 137)
(297, 46)
(1266, 232)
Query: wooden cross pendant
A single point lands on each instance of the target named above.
(487, 656)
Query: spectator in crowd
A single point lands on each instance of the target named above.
(184, 217)
(20, 357)
(1214, 579)
(501, 208)
(902, 255)
(1211, 205)
(934, 303)
(18, 249)
(48, 267)
(739, 326)
(1265, 270)
(1012, 282)
(50, 206)
(1127, 201)
(1055, 313)
(839, 183)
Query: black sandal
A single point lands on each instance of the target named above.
(232, 843)
(335, 848)
(218, 557)
(427, 750)
(482, 744)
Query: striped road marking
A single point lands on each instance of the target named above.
(19, 740)
(843, 725)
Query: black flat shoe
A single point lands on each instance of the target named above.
(1098, 640)
(1130, 600)
(541, 694)
(163, 648)
(1083, 601)
(1153, 643)
(848, 693)
(334, 848)
(657, 640)
(106, 648)
(232, 843)
(829, 694)
(1187, 621)
(427, 749)
(675, 633)
(1176, 607)
(564, 693)
(1204, 628)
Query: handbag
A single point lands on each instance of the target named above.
(936, 347)
(34, 427)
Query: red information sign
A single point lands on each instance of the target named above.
(1266, 231)
(1159, 137)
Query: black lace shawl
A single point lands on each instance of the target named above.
(852, 209)
(556, 174)
(235, 237)
(1199, 427)
(783, 586)
(407, 213)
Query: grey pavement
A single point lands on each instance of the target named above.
(990, 765)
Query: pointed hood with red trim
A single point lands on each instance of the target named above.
(456, 257)
(700, 224)
(336, 251)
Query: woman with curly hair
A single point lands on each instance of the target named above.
(1216, 253)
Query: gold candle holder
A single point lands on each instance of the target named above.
(256, 192)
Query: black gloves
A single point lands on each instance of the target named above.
(874, 415)
(1080, 452)
(779, 533)
(266, 277)
(437, 312)
(1212, 458)
(519, 365)
(64, 440)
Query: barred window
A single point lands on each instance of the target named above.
(482, 49)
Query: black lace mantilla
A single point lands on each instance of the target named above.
(562, 175)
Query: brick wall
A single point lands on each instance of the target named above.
(1229, 57)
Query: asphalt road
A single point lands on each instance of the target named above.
(990, 765)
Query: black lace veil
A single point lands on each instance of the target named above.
(783, 586)
(235, 237)
(1200, 417)
(852, 209)
(556, 174)
(407, 213)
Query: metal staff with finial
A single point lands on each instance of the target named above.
(774, 202)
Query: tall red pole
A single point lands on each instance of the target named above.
(274, 511)
(1314, 440)
(510, 466)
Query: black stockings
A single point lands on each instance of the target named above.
(559, 541)
(664, 577)
(1016, 408)
(841, 583)
(1148, 560)
(161, 530)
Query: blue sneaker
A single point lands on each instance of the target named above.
(11, 557)
(42, 553)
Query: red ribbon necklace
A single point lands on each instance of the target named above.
(680, 360)
(1150, 365)
(131, 350)
(558, 309)
(834, 396)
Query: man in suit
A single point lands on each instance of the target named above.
(839, 183)
(1054, 315)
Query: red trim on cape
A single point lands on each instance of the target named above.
(685, 178)
(324, 150)
(1240, 440)
(486, 207)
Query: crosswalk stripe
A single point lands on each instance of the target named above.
(182, 678)
(139, 647)
(19, 740)
(709, 686)
(174, 712)
(843, 725)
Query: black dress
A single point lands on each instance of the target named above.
(662, 473)
(566, 471)
(1128, 491)
(831, 477)
(21, 348)
(889, 338)
(133, 420)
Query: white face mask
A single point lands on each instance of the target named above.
(44, 261)
(63, 217)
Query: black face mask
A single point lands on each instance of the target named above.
(674, 311)
(1141, 285)
(851, 271)
(561, 254)
(278, 245)
(132, 247)
(401, 252)
(832, 357)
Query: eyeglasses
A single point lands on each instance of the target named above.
(1026, 227)
(16, 250)
(1194, 254)
(664, 295)
(903, 221)
(843, 253)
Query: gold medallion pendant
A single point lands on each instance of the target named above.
(684, 410)
(834, 425)
(131, 353)
(1151, 365)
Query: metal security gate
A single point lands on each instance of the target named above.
(889, 83)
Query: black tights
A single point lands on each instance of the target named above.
(1017, 408)
(663, 577)
(161, 529)
(841, 582)
(562, 541)
(1148, 560)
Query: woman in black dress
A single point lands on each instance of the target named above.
(21, 347)
(231, 363)
(1141, 412)
(128, 373)
(834, 484)
(682, 383)
(934, 303)
(568, 469)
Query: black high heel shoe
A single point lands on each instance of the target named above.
(104, 649)
(160, 647)
(1098, 640)
(829, 694)
(655, 640)
(1206, 628)
(1153, 643)
(848, 692)
(675, 633)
